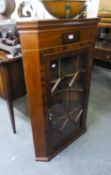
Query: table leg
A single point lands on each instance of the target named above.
(8, 95)
(11, 113)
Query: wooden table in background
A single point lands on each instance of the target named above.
(12, 85)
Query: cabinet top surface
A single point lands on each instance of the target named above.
(44, 24)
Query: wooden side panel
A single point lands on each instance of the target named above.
(35, 95)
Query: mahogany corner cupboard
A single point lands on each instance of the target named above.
(57, 59)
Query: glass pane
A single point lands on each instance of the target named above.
(66, 96)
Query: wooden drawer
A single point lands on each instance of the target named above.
(102, 55)
(58, 38)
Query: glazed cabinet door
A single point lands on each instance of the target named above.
(66, 76)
